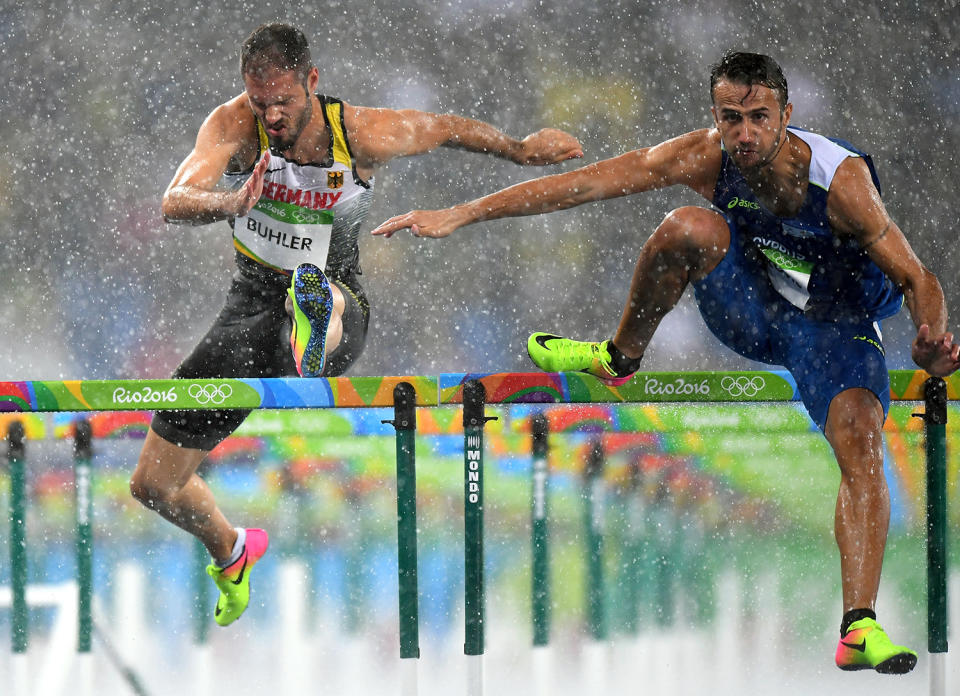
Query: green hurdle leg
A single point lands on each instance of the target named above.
(83, 474)
(202, 601)
(935, 391)
(593, 522)
(474, 400)
(405, 422)
(18, 537)
(540, 599)
(935, 419)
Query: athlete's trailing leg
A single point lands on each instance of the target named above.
(853, 428)
(166, 481)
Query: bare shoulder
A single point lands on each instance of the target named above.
(368, 123)
(377, 134)
(233, 119)
(232, 126)
(853, 203)
(853, 176)
(362, 124)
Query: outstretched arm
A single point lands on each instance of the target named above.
(692, 159)
(379, 135)
(191, 198)
(855, 208)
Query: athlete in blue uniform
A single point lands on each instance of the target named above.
(795, 265)
(299, 168)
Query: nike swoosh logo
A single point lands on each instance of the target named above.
(861, 646)
(542, 339)
(244, 568)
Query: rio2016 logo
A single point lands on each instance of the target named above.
(678, 386)
(146, 395)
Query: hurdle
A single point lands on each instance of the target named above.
(503, 388)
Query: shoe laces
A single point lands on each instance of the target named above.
(585, 351)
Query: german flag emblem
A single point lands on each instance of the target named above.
(334, 180)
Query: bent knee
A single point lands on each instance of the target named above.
(699, 235)
(152, 488)
(146, 489)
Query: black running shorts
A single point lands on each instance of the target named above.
(251, 338)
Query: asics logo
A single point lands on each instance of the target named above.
(210, 393)
(742, 386)
(739, 202)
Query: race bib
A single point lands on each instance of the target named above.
(283, 235)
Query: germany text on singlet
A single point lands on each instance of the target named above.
(307, 213)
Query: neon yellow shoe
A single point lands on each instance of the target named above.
(234, 580)
(555, 354)
(312, 307)
(866, 646)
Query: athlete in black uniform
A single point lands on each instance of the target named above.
(303, 169)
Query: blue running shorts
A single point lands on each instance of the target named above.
(742, 309)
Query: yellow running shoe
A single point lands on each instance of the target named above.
(555, 354)
(866, 646)
(234, 580)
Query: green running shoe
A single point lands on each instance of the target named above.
(312, 308)
(234, 580)
(866, 646)
(555, 354)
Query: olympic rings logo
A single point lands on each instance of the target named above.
(214, 394)
(743, 386)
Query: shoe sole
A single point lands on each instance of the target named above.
(613, 381)
(898, 664)
(313, 298)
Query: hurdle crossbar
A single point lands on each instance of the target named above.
(359, 392)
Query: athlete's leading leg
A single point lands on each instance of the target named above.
(854, 430)
(687, 245)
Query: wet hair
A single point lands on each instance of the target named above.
(276, 45)
(750, 69)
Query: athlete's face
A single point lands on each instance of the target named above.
(282, 102)
(750, 122)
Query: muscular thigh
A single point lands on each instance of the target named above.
(738, 304)
(355, 319)
(249, 338)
